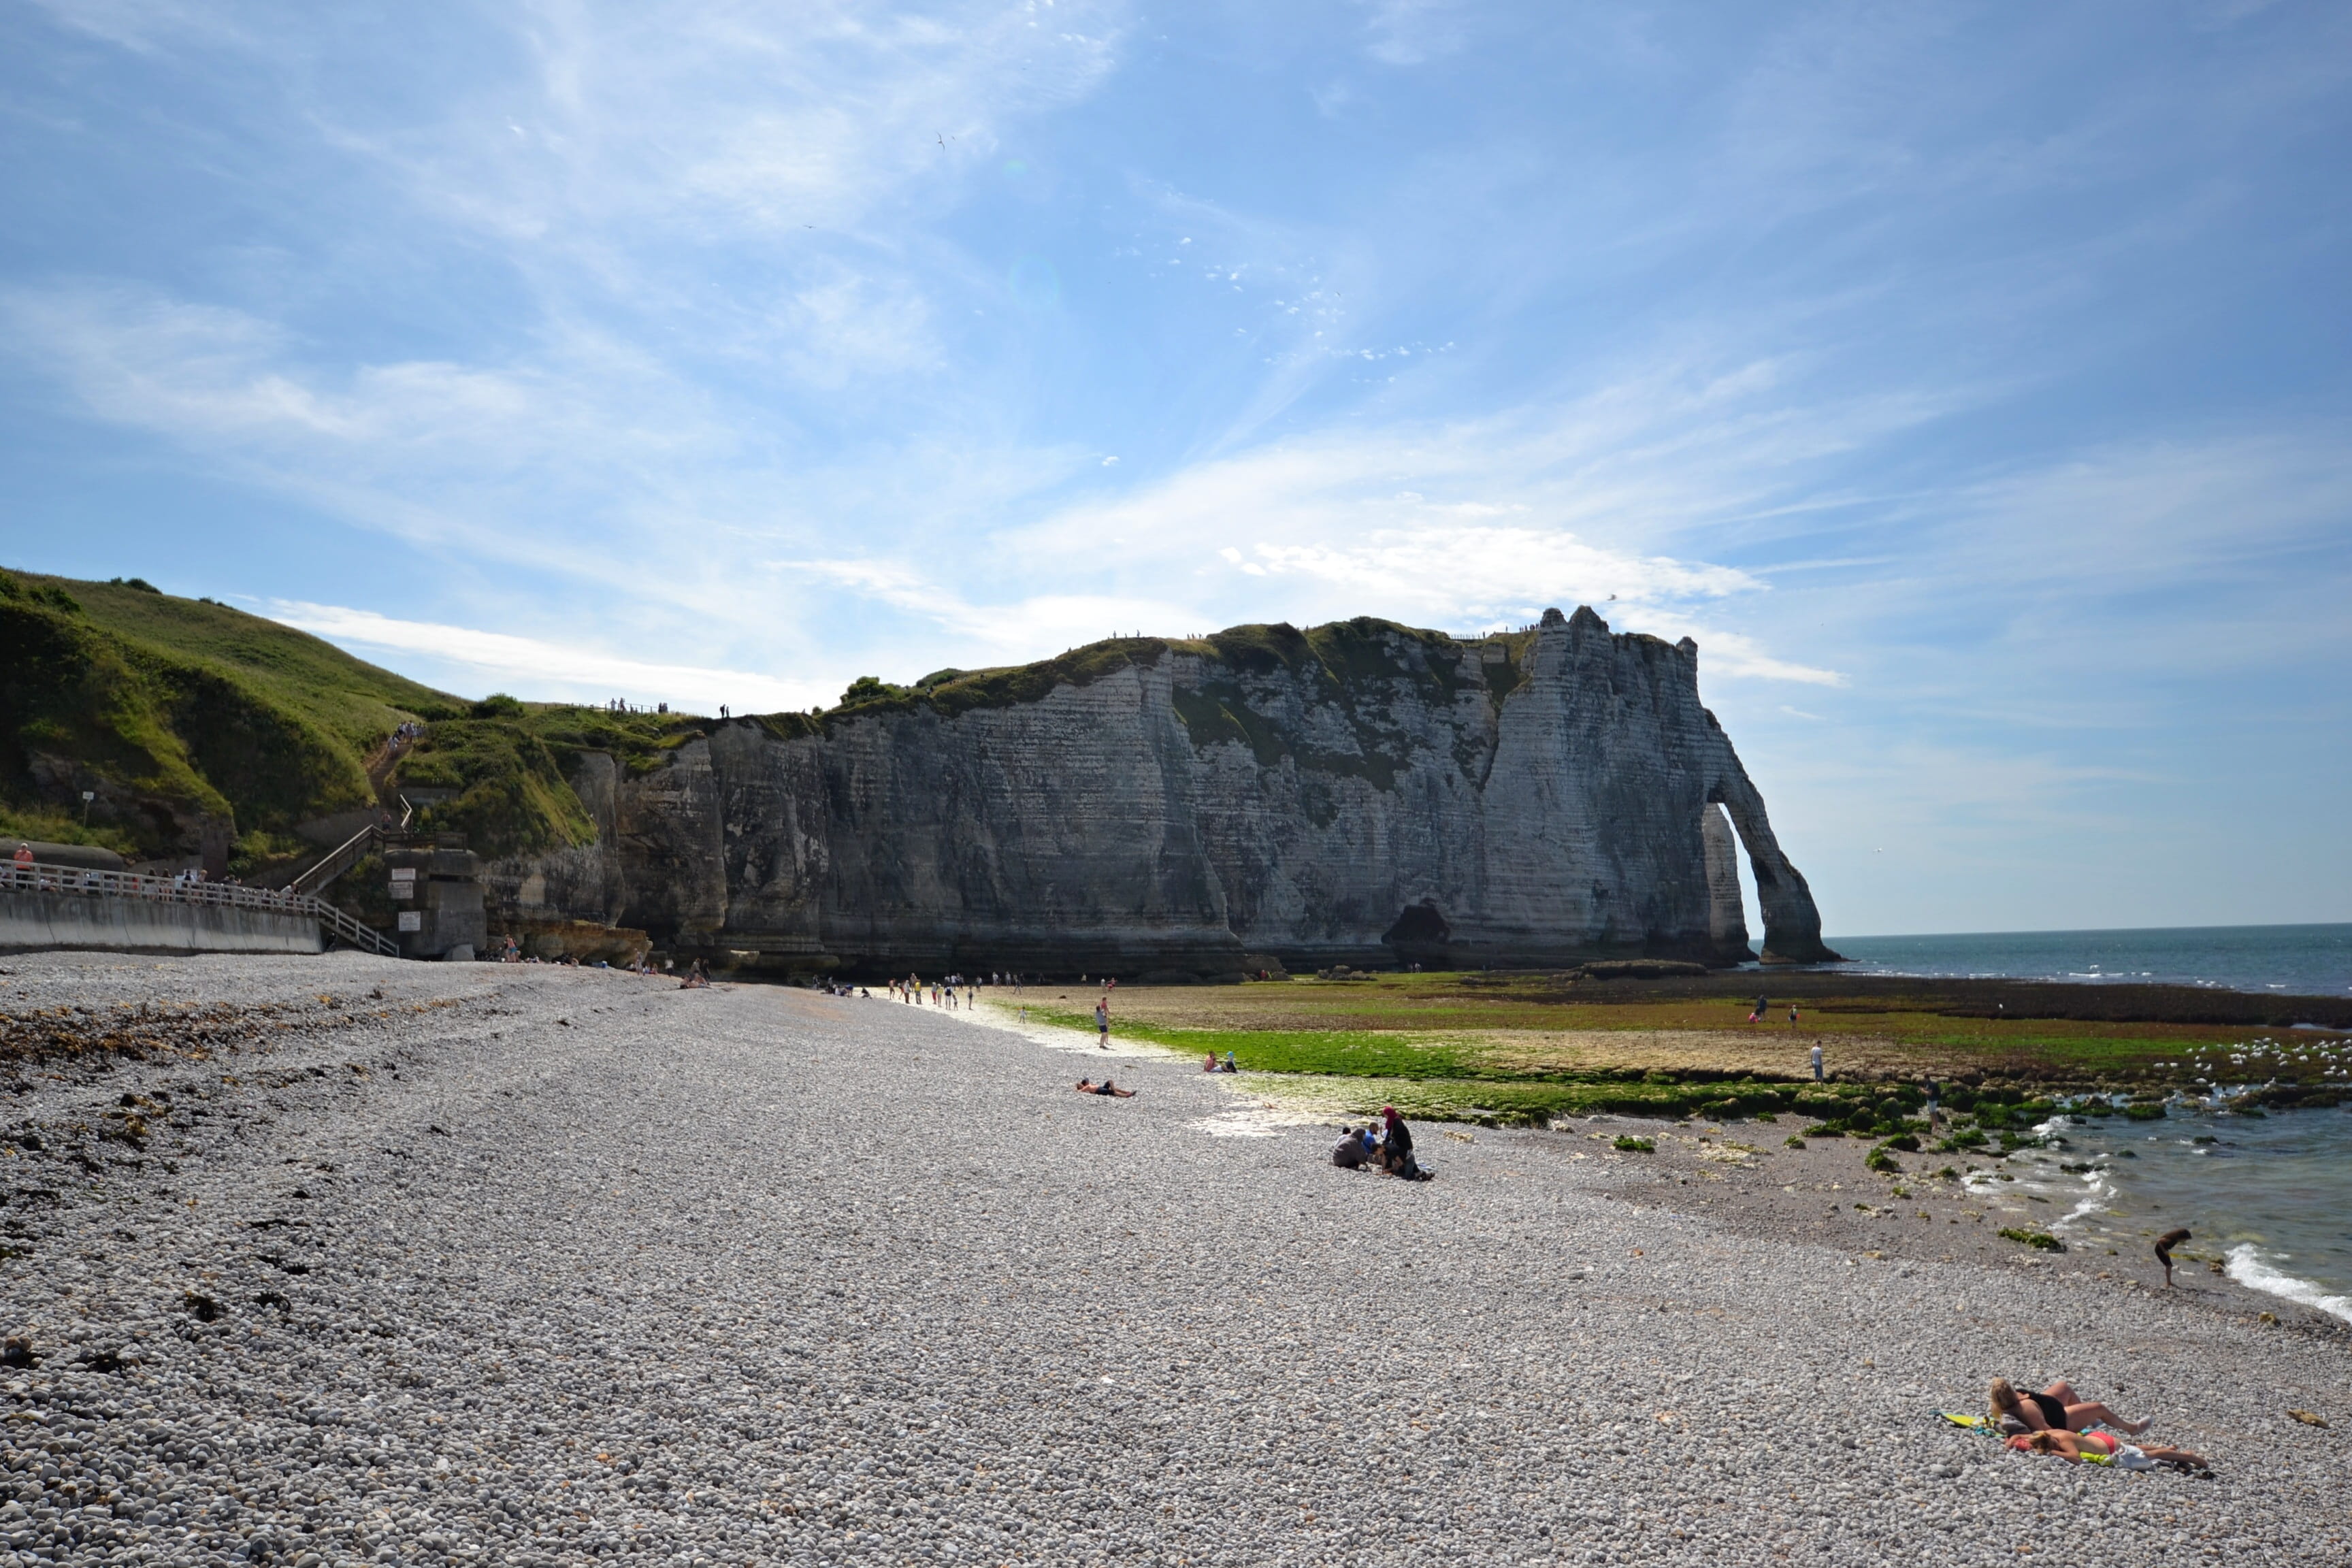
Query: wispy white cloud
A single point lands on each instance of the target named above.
(1486, 521)
(206, 373)
(1017, 629)
(551, 671)
(142, 25)
(1473, 573)
(1412, 32)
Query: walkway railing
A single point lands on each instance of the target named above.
(37, 876)
(339, 859)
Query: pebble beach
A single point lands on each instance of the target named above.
(340, 1259)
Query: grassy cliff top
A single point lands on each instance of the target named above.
(1365, 654)
(179, 711)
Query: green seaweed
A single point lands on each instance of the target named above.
(2041, 1241)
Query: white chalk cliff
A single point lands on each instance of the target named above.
(1360, 793)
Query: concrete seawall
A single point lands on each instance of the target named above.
(35, 919)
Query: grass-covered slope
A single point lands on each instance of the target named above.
(178, 712)
(1362, 656)
(511, 764)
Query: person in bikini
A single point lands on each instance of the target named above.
(2076, 1447)
(2056, 1410)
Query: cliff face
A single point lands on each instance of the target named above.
(1361, 793)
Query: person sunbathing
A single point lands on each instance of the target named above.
(1086, 1086)
(2076, 1447)
(2056, 1410)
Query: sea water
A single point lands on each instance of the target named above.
(2295, 961)
(2269, 1198)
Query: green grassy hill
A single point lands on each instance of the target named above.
(177, 713)
(184, 713)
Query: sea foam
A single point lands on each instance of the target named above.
(2247, 1267)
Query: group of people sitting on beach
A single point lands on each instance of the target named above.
(2059, 1421)
(1384, 1145)
(1226, 1065)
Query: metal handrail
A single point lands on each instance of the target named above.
(40, 877)
(338, 860)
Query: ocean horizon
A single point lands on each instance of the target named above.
(2302, 960)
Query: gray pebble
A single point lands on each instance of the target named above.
(754, 1275)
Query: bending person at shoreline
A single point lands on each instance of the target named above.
(2056, 1410)
(2164, 1246)
(2075, 1447)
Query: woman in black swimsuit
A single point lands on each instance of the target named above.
(2057, 1409)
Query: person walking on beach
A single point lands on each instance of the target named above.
(1762, 1004)
(1792, 1014)
(1102, 1023)
(1817, 1061)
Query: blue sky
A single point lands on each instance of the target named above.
(1971, 382)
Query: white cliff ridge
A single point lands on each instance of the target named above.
(1359, 792)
